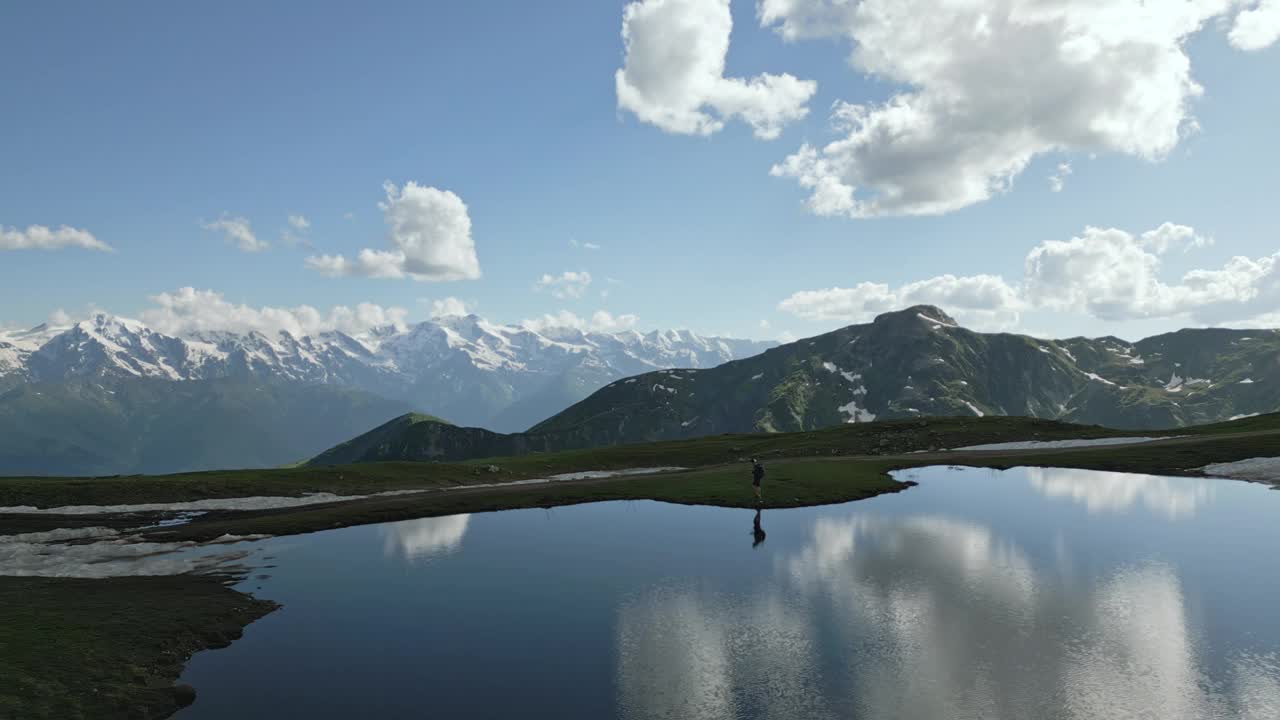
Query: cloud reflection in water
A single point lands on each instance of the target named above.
(923, 617)
(422, 538)
(1112, 492)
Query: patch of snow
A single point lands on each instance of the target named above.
(629, 381)
(1068, 354)
(936, 323)
(1259, 469)
(1175, 382)
(974, 408)
(235, 503)
(1242, 417)
(1098, 378)
(829, 367)
(757, 376)
(687, 423)
(664, 388)
(1044, 350)
(855, 413)
(102, 552)
(1058, 444)
(964, 382)
(1246, 381)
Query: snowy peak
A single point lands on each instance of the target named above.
(462, 367)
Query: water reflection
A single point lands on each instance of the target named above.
(417, 539)
(686, 652)
(1111, 492)
(925, 617)
(757, 533)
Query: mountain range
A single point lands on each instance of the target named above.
(910, 363)
(95, 396)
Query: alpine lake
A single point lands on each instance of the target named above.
(1026, 593)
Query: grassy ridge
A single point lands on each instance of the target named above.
(881, 438)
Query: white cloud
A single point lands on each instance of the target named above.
(981, 301)
(1108, 274)
(983, 86)
(447, 307)
(348, 216)
(59, 317)
(40, 237)
(1114, 275)
(188, 310)
(296, 234)
(568, 284)
(430, 234)
(584, 245)
(1256, 27)
(1058, 180)
(236, 230)
(600, 321)
(673, 73)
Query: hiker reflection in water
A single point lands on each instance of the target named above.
(757, 532)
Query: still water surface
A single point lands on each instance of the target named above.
(979, 594)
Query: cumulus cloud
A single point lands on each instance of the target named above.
(1106, 273)
(447, 307)
(568, 284)
(429, 231)
(583, 245)
(40, 237)
(985, 86)
(299, 222)
(673, 73)
(1256, 27)
(59, 317)
(188, 310)
(600, 321)
(236, 230)
(980, 301)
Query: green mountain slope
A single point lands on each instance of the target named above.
(919, 362)
(910, 364)
(104, 427)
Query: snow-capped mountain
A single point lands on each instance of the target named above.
(463, 368)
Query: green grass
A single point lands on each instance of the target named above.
(110, 648)
(882, 438)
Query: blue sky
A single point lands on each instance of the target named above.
(141, 122)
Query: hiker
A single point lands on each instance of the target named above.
(757, 474)
(757, 532)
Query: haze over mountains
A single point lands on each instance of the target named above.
(91, 397)
(911, 363)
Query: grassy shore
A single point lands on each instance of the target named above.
(112, 648)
